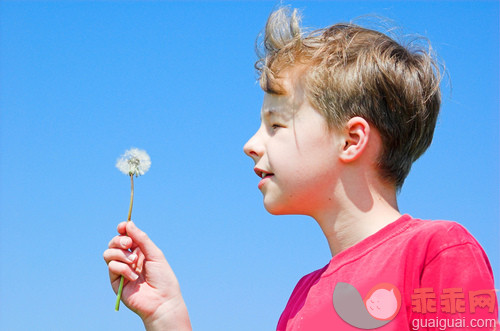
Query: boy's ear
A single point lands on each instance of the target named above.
(356, 136)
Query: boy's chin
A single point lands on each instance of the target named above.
(274, 208)
(276, 213)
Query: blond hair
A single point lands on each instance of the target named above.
(353, 71)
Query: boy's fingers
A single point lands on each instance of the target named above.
(142, 240)
(119, 255)
(140, 260)
(122, 242)
(122, 228)
(117, 268)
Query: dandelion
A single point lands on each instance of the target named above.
(134, 162)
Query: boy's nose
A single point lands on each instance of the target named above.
(253, 147)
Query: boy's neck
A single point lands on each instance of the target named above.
(357, 217)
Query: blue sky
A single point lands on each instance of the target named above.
(81, 82)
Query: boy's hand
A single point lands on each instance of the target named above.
(151, 289)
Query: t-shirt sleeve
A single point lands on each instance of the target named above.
(457, 288)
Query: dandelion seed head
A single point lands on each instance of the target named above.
(134, 162)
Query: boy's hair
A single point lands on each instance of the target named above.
(348, 71)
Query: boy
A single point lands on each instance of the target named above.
(346, 112)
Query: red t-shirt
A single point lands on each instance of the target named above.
(443, 276)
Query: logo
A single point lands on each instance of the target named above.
(378, 308)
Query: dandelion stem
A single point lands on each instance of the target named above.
(119, 295)
(131, 197)
(122, 280)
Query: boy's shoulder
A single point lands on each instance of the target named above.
(439, 234)
(435, 247)
(407, 240)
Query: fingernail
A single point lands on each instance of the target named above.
(134, 276)
(124, 241)
(132, 257)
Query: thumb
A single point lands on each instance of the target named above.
(141, 239)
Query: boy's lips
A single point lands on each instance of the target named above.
(265, 175)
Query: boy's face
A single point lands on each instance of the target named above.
(296, 153)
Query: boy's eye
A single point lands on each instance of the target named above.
(275, 126)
